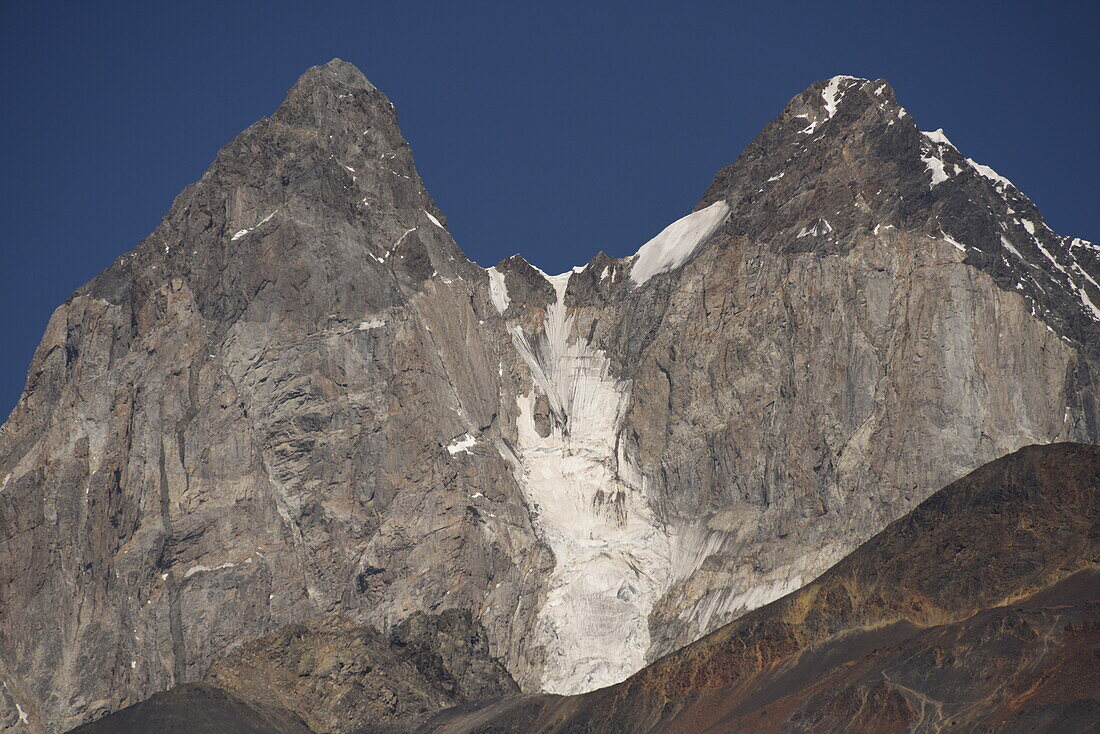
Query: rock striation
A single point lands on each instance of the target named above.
(297, 398)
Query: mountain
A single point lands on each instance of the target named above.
(976, 611)
(297, 399)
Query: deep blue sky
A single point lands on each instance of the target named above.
(554, 130)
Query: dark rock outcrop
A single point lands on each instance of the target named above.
(194, 708)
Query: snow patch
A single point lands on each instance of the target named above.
(951, 241)
(937, 136)
(675, 244)
(820, 228)
(498, 290)
(199, 568)
(462, 444)
(1048, 256)
(1089, 278)
(22, 713)
(989, 173)
(935, 167)
(1008, 246)
(370, 324)
(829, 94)
(402, 238)
(242, 232)
(434, 220)
(1088, 304)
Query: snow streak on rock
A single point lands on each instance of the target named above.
(676, 242)
(498, 291)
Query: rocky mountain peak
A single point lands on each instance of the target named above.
(335, 97)
(337, 74)
(842, 97)
(841, 147)
(319, 204)
(845, 161)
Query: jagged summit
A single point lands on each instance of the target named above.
(324, 189)
(335, 72)
(845, 161)
(333, 95)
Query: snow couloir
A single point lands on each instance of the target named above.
(589, 499)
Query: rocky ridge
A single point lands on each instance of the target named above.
(298, 398)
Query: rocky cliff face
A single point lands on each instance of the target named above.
(297, 397)
(244, 424)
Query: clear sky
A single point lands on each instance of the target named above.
(552, 129)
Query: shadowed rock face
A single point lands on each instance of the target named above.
(194, 708)
(297, 398)
(329, 676)
(976, 610)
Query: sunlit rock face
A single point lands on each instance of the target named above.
(297, 398)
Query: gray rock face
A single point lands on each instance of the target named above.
(297, 397)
